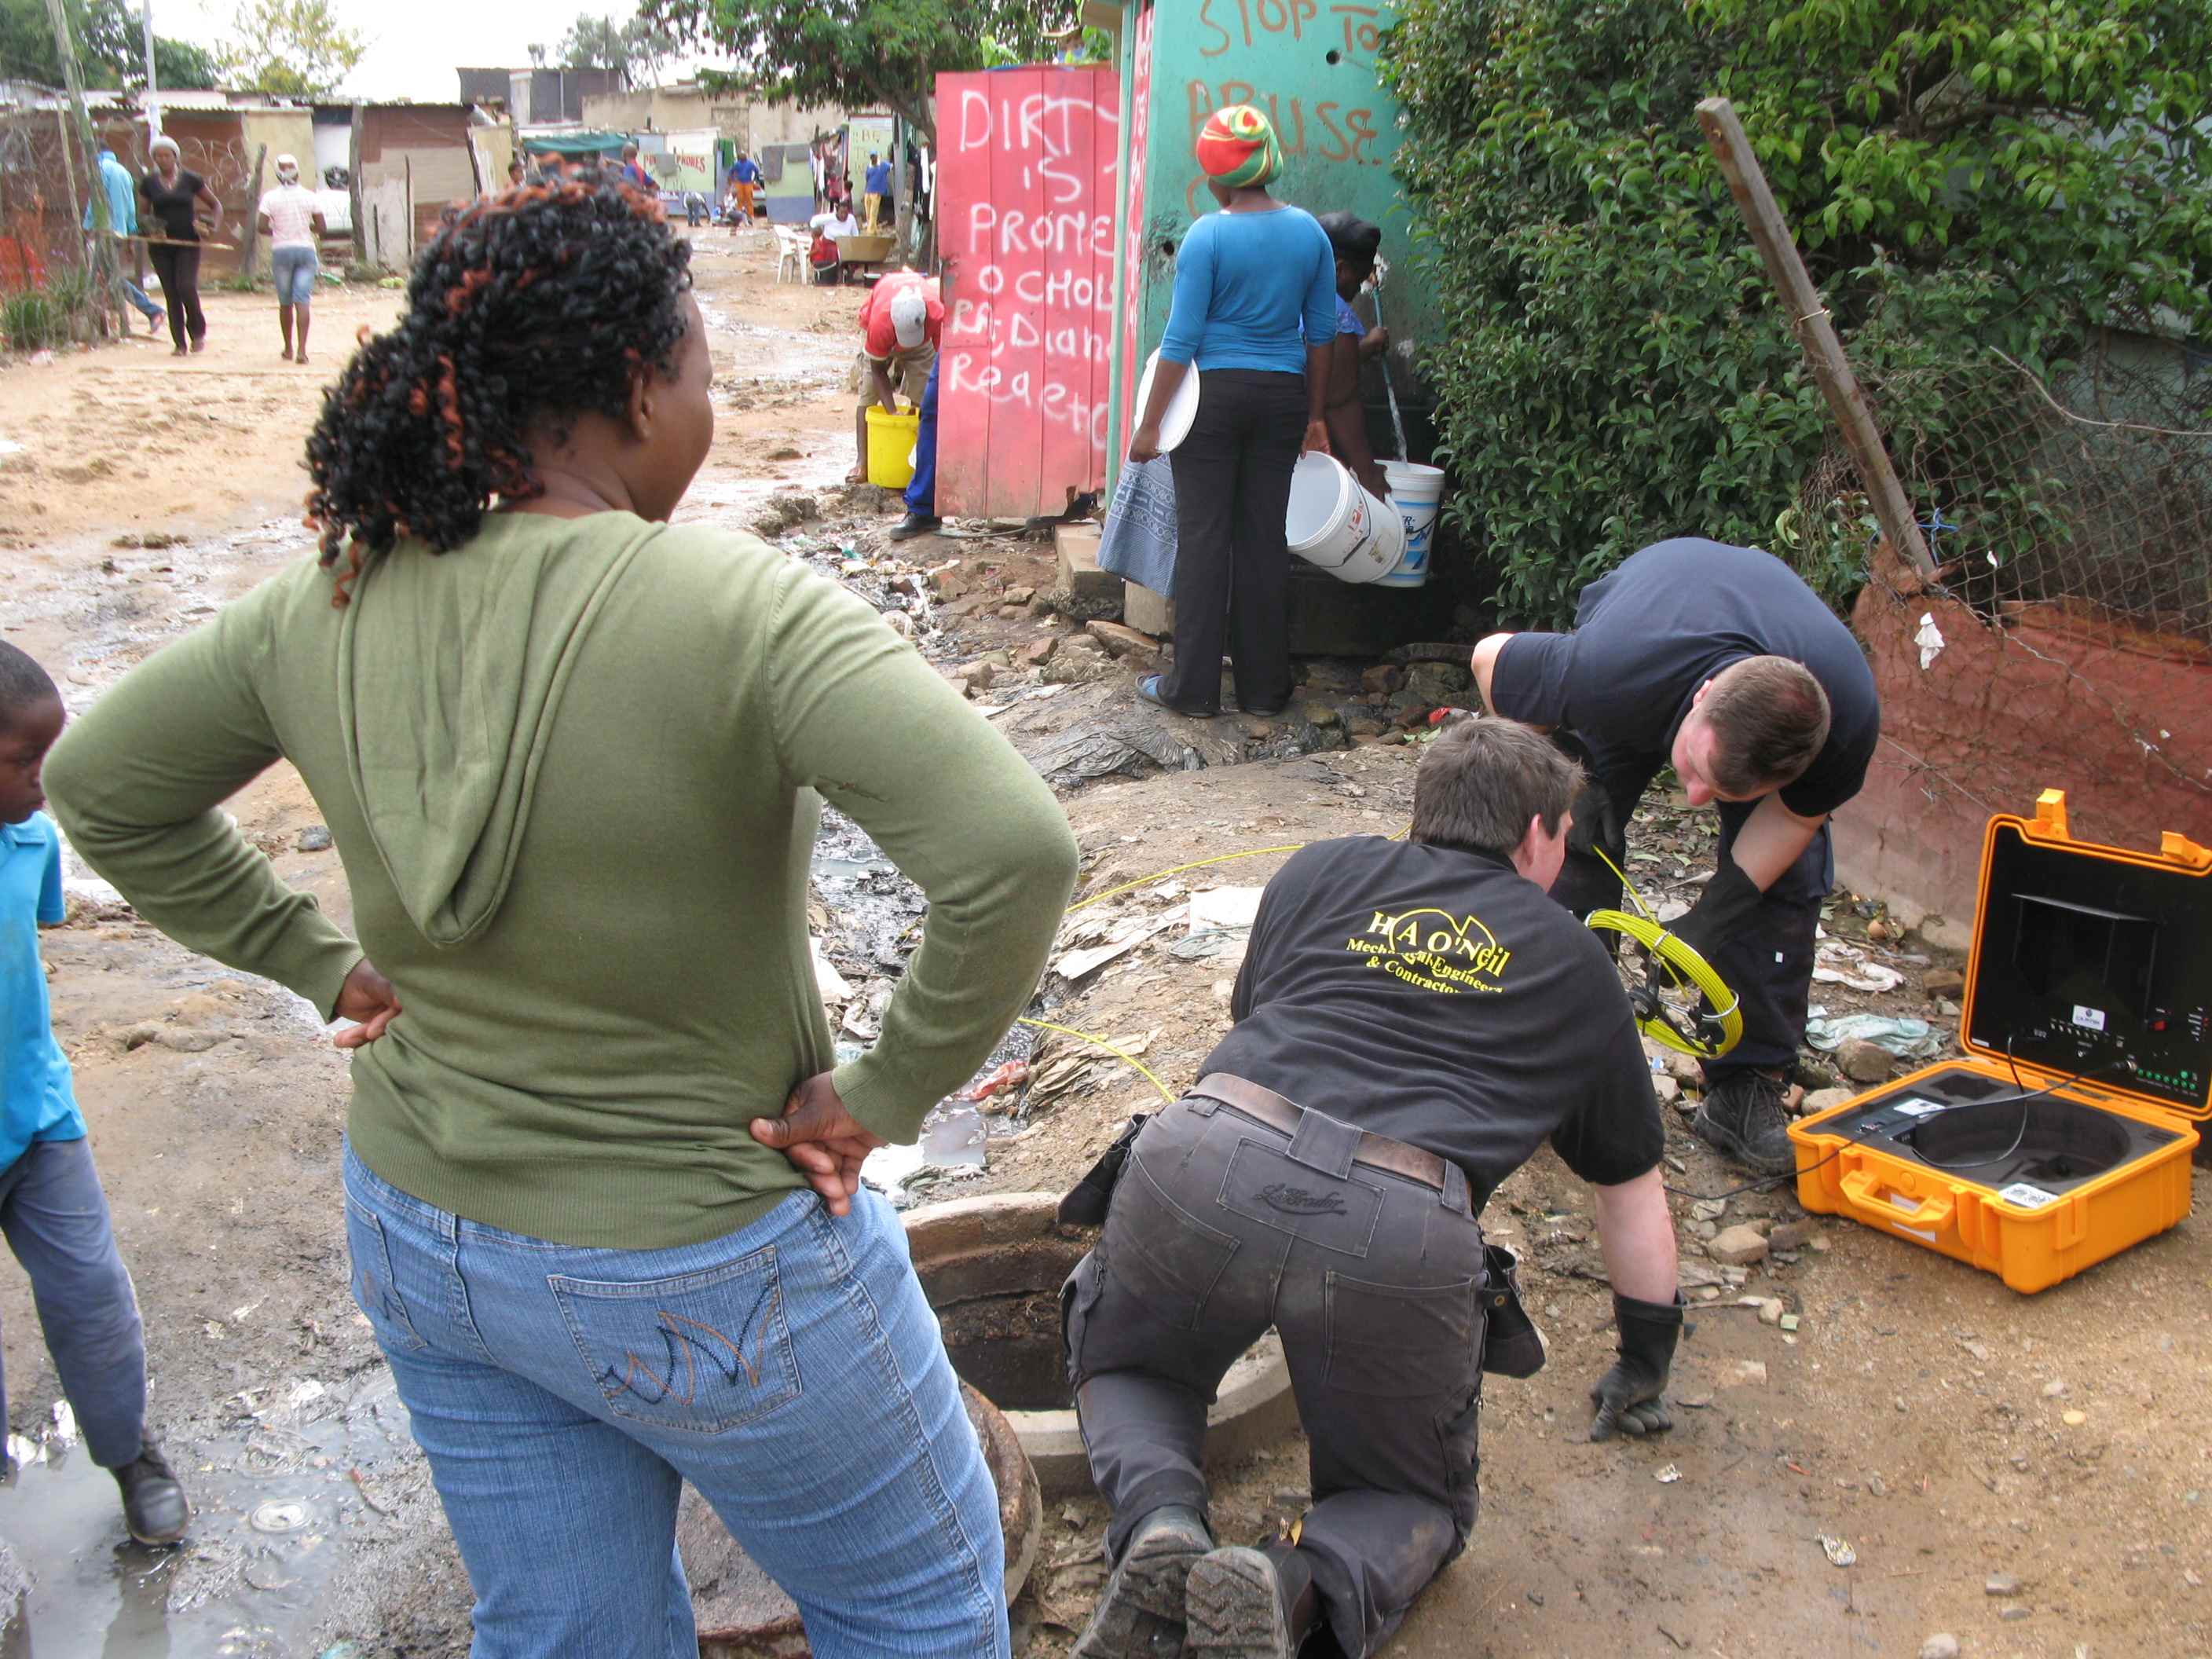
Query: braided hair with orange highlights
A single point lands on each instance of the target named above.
(539, 303)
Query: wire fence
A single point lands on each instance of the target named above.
(2067, 638)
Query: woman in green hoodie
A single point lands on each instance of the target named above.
(601, 1187)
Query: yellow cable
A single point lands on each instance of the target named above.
(1101, 1043)
(1683, 962)
(1162, 875)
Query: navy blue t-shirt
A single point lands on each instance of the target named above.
(1442, 998)
(1647, 635)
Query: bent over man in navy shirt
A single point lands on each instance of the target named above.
(1719, 661)
(1412, 1019)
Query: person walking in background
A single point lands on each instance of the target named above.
(517, 173)
(1254, 310)
(877, 185)
(744, 181)
(174, 193)
(292, 220)
(633, 174)
(602, 1171)
(51, 1207)
(122, 193)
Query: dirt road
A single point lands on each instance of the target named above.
(1954, 1436)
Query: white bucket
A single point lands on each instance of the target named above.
(1416, 491)
(1334, 523)
(1176, 419)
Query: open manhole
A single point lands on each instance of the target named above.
(993, 1266)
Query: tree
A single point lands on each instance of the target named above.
(861, 54)
(294, 48)
(1961, 175)
(109, 43)
(635, 49)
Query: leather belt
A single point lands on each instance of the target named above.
(1277, 1112)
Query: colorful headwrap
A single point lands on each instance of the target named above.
(1238, 146)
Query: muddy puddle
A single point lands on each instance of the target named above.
(278, 1499)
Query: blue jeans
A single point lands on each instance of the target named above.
(793, 1372)
(56, 1219)
(136, 295)
(921, 492)
(294, 270)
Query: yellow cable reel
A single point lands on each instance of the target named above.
(1689, 1008)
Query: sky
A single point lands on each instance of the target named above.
(414, 46)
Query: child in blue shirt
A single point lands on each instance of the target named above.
(51, 1207)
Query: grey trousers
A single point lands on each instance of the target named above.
(56, 1219)
(1221, 1226)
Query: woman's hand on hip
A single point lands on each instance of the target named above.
(825, 1142)
(1144, 444)
(1315, 441)
(369, 997)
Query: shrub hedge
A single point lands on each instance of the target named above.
(1612, 367)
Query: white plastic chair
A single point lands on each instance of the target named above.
(791, 248)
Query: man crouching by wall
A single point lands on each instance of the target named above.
(1437, 1016)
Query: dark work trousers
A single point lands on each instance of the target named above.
(1232, 571)
(1221, 1226)
(1769, 964)
(178, 268)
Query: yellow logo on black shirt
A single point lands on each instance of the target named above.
(1434, 950)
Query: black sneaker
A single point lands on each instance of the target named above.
(153, 1506)
(916, 524)
(1141, 1613)
(1238, 1607)
(1743, 1116)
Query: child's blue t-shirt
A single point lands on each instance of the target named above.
(36, 1100)
(1251, 290)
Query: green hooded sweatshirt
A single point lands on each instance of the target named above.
(573, 769)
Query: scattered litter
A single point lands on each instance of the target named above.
(1011, 1075)
(1839, 1553)
(9, 447)
(1212, 943)
(280, 1515)
(1839, 965)
(834, 987)
(1929, 638)
(64, 1424)
(2073, 1419)
(1122, 936)
(1902, 1035)
(1788, 1321)
(1224, 906)
(1669, 1476)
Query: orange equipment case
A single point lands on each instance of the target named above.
(2066, 1135)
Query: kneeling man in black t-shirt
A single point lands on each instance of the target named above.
(1719, 661)
(1412, 1019)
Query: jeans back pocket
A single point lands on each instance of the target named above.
(375, 1291)
(700, 1352)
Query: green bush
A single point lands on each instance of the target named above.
(1612, 365)
(32, 321)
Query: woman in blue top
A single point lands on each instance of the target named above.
(1255, 309)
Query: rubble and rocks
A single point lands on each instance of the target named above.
(1739, 1246)
(1863, 1062)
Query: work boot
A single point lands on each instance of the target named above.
(916, 524)
(153, 1506)
(1139, 1612)
(1250, 1604)
(1742, 1117)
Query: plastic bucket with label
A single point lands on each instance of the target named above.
(1334, 523)
(1416, 492)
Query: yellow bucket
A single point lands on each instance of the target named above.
(891, 443)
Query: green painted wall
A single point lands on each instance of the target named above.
(1310, 65)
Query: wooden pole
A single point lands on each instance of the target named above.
(250, 241)
(1816, 336)
(153, 100)
(106, 271)
(353, 189)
